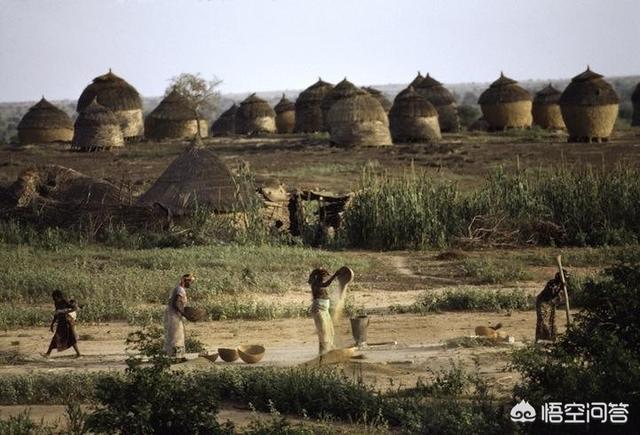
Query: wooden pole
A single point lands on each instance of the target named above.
(564, 289)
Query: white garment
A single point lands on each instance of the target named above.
(324, 324)
(173, 326)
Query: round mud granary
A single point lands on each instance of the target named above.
(546, 110)
(444, 102)
(359, 120)
(378, 95)
(255, 116)
(96, 128)
(45, 123)
(226, 122)
(285, 115)
(308, 111)
(121, 98)
(174, 118)
(589, 108)
(413, 118)
(342, 90)
(506, 105)
(635, 99)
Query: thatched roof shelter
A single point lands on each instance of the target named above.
(285, 115)
(45, 123)
(359, 120)
(506, 105)
(378, 95)
(589, 107)
(635, 99)
(443, 100)
(255, 116)
(197, 178)
(342, 90)
(121, 98)
(174, 118)
(96, 128)
(416, 81)
(308, 108)
(546, 110)
(226, 122)
(413, 118)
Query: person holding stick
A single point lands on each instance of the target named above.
(546, 301)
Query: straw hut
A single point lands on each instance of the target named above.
(413, 118)
(378, 95)
(308, 111)
(45, 123)
(589, 108)
(285, 115)
(417, 80)
(546, 110)
(444, 102)
(96, 128)
(197, 178)
(342, 90)
(635, 99)
(255, 116)
(506, 105)
(174, 118)
(358, 120)
(121, 98)
(226, 122)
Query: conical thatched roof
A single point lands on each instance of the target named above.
(174, 118)
(433, 91)
(314, 93)
(284, 105)
(547, 95)
(309, 116)
(97, 128)
(589, 89)
(112, 92)
(358, 120)
(378, 95)
(226, 122)
(410, 103)
(417, 80)
(413, 118)
(44, 115)
(196, 177)
(173, 107)
(342, 90)
(504, 90)
(95, 115)
(255, 115)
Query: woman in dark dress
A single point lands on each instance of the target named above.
(64, 319)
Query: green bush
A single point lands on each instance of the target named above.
(490, 271)
(470, 299)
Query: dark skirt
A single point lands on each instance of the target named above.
(65, 336)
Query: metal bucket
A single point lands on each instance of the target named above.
(359, 329)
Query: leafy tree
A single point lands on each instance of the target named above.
(202, 94)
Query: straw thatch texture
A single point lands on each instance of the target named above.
(359, 120)
(285, 115)
(589, 108)
(124, 101)
(506, 105)
(342, 90)
(417, 80)
(308, 108)
(546, 110)
(196, 178)
(444, 102)
(413, 118)
(378, 95)
(635, 99)
(255, 116)
(226, 122)
(174, 118)
(44, 123)
(96, 128)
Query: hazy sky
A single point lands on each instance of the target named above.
(56, 47)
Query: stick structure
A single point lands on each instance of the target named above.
(564, 290)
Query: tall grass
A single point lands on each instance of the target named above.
(563, 205)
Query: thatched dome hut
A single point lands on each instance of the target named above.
(378, 95)
(226, 122)
(96, 128)
(444, 102)
(417, 80)
(546, 110)
(255, 116)
(589, 108)
(506, 105)
(342, 90)
(635, 99)
(174, 118)
(285, 115)
(196, 178)
(121, 98)
(45, 123)
(413, 118)
(308, 111)
(358, 120)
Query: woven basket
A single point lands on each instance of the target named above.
(194, 314)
